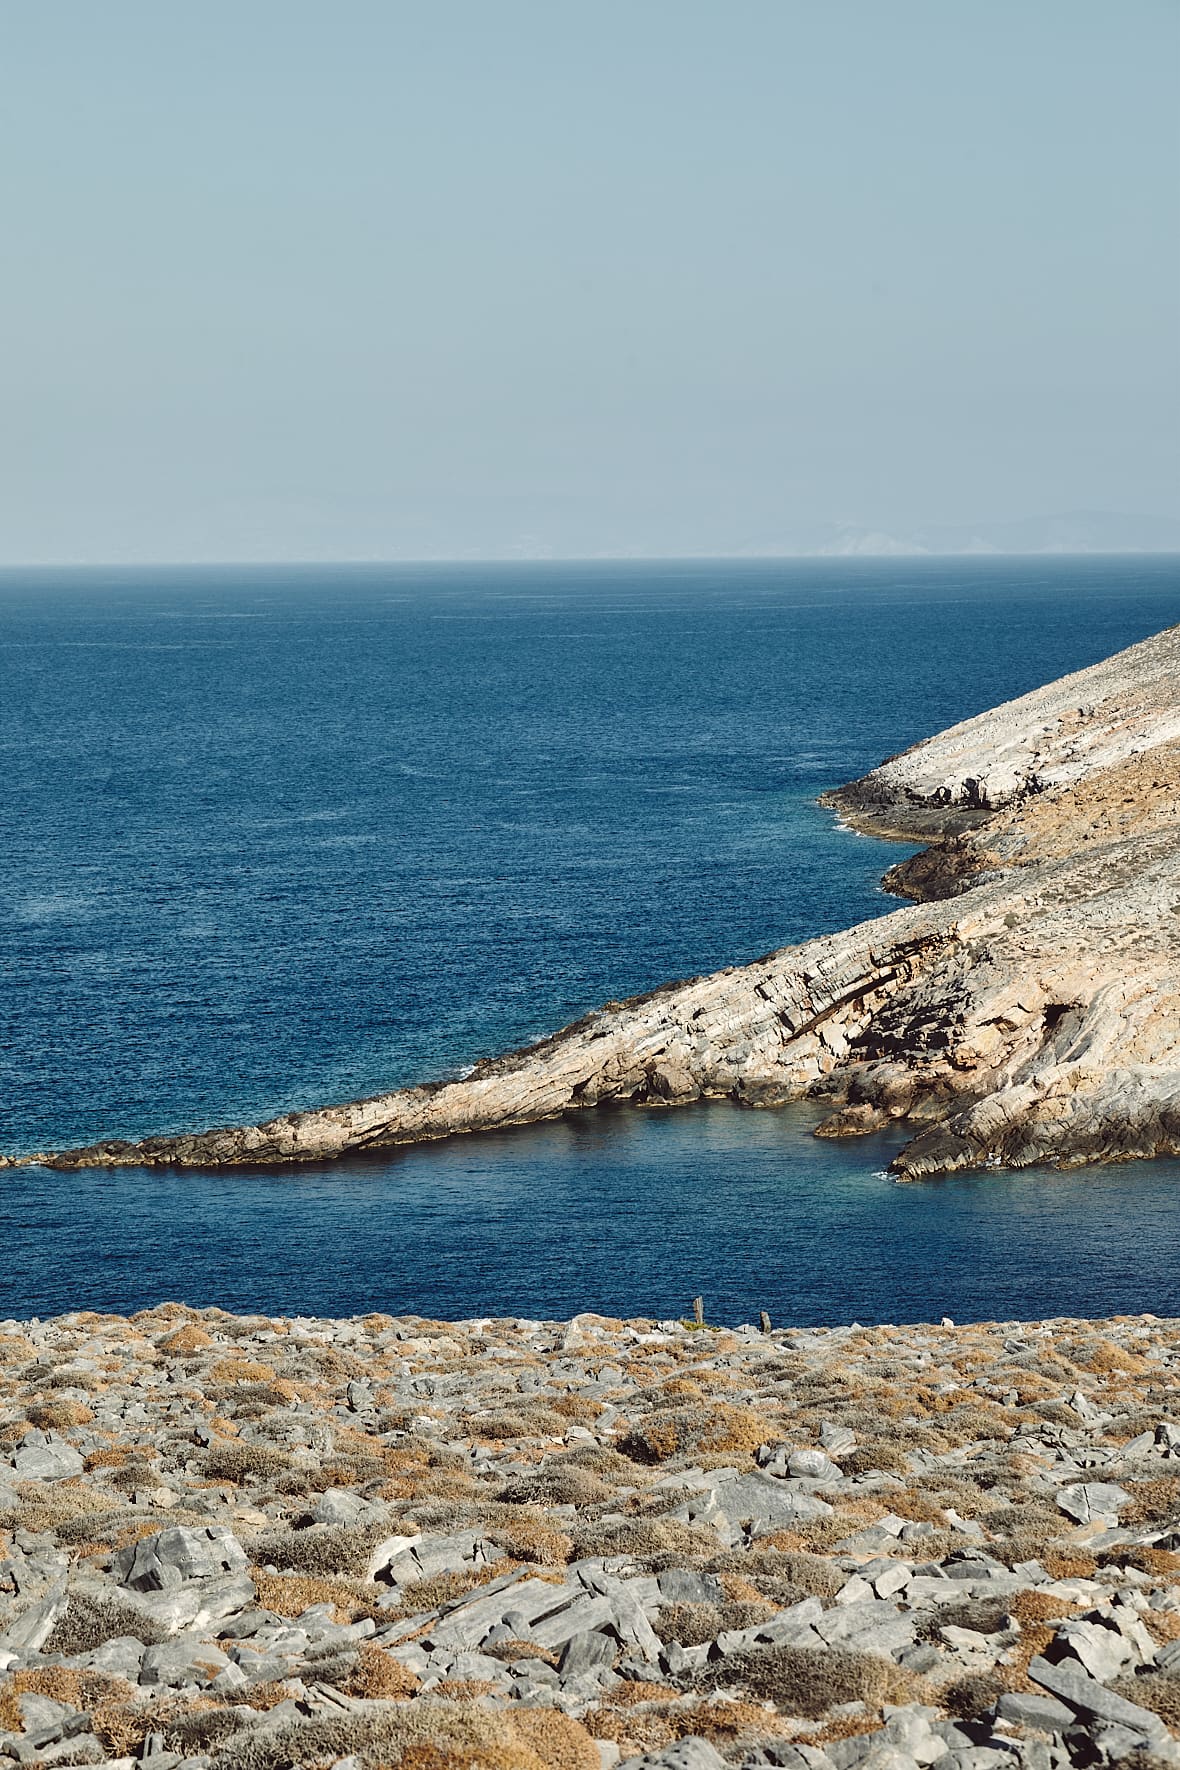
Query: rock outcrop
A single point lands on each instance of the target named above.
(400, 1544)
(1027, 1010)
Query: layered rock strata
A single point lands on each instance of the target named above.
(235, 1543)
(1027, 1010)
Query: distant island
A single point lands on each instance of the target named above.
(1068, 532)
(1025, 1008)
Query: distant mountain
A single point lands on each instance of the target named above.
(1081, 531)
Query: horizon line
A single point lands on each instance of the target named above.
(813, 557)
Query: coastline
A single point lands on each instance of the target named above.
(1022, 1010)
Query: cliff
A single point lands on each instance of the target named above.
(1026, 1010)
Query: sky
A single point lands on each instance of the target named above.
(284, 279)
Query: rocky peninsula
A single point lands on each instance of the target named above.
(241, 1543)
(1026, 1008)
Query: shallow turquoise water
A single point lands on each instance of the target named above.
(275, 838)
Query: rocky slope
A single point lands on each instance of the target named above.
(1028, 1010)
(236, 1543)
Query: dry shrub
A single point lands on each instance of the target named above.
(511, 1650)
(557, 1484)
(379, 1674)
(645, 1538)
(1163, 1563)
(241, 1370)
(321, 1549)
(79, 1690)
(1157, 1691)
(290, 1594)
(428, 1734)
(717, 1427)
(58, 1416)
(808, 1681)
(971, 1696)
(91, 1621)
(1069, 1564)
(693, 1624)
(531, 1419)
(578, 1409)
(1164, 1624)
(237, 1462)
(1152, 1502)
(532, 1539)
(880, 1457)
(112, 1458)
(185, 1340)
(1104, 1357)
(443, 1588)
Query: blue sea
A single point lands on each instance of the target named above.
(277, 837)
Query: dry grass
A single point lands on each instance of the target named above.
(1152, 1502)
(58, 1416)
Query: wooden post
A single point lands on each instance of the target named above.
(764, 1321)
(698, 1311)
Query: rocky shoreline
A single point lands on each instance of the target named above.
(234, 1543)
(1025, 1009)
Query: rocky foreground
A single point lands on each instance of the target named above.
(1026, 1010)
(242, 1544)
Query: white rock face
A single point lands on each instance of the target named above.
(1033, 1016)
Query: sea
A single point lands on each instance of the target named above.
(276, 837)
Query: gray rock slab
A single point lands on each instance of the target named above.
(1087, 1500)
(29, 1631)
(692, 1753)
(177, 1664)
(47, 1462)
(199, 1604)
(1101, 1651)
(176, 1555)
(1089, 1697)
(684, 1585)
(1029, 1710)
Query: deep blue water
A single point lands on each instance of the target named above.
(277, 837)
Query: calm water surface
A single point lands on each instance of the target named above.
(279, 837)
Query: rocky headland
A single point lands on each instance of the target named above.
(235, 1543)
(1025, 1009)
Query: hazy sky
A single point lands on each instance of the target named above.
(357, 278)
